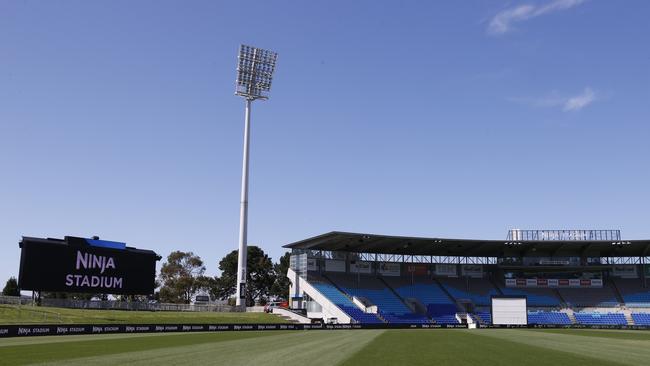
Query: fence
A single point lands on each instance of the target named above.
(120, 305)
(135, 305)
(15, 300)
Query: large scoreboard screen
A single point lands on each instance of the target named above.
(86, 265)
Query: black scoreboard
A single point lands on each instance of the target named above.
(86, 265)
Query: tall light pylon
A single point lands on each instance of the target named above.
(254, 75)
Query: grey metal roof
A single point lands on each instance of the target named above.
(402, 245)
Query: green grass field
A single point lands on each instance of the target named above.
(11, 314)
(342, 347)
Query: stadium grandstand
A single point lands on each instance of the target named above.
(568, 277)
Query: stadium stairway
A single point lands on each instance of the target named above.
(483, 317)
(628, 317)
(571, 315)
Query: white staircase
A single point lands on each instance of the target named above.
(329, 309)
(570, 314)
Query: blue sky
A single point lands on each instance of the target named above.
(446, 119)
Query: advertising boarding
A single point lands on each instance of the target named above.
(554, 282)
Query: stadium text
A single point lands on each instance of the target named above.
(87, 260)
(92, 261)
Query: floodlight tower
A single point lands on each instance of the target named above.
(254, 76)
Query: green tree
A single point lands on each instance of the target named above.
(11, 288)
(181, 277)
(260, 276)
(280, 287)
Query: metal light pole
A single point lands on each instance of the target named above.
(254, 75)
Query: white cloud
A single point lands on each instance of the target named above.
(555, 100)
(502, 22)
(580, 101)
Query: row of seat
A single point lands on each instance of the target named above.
(641, 318)
(344, 303)
(440, 308)
(390, 307)
(548, 318)
(601, 318)
(633, 292)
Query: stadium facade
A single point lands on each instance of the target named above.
(568, 277)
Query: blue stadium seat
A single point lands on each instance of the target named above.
(344, 303)
(601, 318)
(639, 299)
(478, 299)
(440, 307)
(531, 298)
(391, 308)
(548, 317)
(641, 318)
(484, 316)
(633, 292)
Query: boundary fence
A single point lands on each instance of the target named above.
(53, 330)
(120, 305)
(136, 305)
(15, 300)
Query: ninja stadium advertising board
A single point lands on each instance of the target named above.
(86, 265)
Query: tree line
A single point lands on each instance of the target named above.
(182, 277)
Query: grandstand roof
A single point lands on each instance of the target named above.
(403, 245)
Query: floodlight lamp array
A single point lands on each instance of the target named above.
(255, 72)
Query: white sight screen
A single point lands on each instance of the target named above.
(509, 311)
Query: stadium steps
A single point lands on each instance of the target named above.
(408, 306)
(571, 315)
(628, 317)
(619, 296)
(478, 319)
